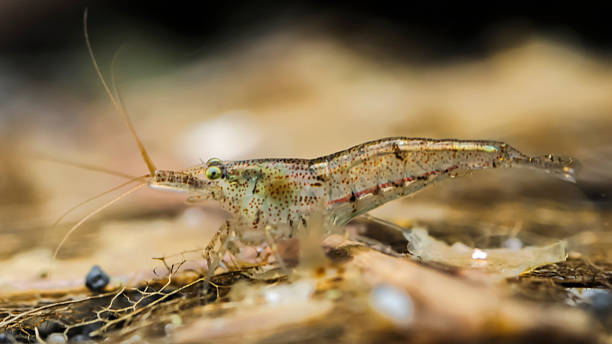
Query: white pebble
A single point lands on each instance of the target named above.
(55, 338)
(479, 254)
(513, 244)
(282, 294)
(393, 303)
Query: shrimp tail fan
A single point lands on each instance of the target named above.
(563, 167)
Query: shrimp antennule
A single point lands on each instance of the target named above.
(95, 197)
(84, 166)
(90, 215)
(117, 104)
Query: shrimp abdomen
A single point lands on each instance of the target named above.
(368, 175)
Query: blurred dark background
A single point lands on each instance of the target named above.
(444, 30)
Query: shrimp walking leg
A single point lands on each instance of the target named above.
(274, 248)
(381, 245)
(216, 248)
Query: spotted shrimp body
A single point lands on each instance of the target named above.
(287, 192)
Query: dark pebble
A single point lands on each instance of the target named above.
(89, 328)
(49, 326)
(6, 338)
(96, 279)
(601, 304)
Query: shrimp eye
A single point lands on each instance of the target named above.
(213, 161)
(213, 172)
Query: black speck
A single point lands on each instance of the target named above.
(49, 326)
(96, 279)
(397, 152)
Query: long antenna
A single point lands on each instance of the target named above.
(45, 157)
(118, 105)
(81, 221)
(95, 197)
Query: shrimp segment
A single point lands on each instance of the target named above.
(368, 175)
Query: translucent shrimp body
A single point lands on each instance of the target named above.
(286, 192)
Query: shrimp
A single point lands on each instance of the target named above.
(274, 199)
(278, 197)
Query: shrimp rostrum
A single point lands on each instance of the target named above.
(277, 198)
